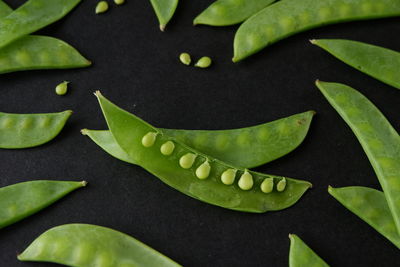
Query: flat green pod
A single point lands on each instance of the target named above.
(82, 245)
(164, 10)
(30, 130)
(301, 255)
(376, 135)
(230, 12)
(21, 200)
(381, 63)
(196, 174)
(371, 206)
(288, 17)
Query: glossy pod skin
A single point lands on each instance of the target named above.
(381, 63)
(21, 200)
(245, 147)
(230, 12)
(288, 17)
(32, 16)
(82, 245)
(371, 206)
(164, 10)
(30, 130)
(376, 135)
(184, 167)
(301, 255)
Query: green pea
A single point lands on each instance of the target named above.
(281, 185)
(62, 88)
(91, 245)
(246, 181)
(164, 10)
(228, 176)
(149, 139)
(301, 255)
(203, 62)
(101, 7)
(185, 58)
(187, 160)
(267, 185)
(167, 148)
(203, 171)
(21, 200)
(119, 2)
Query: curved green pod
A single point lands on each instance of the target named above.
(21, 200)
(245, 147)
(371, 206)
(82, 245)
(30, 130)
(194, 173)
(288, 17)
(301, 255)
(32, 16)
(376, 135)
(164, 10)
(230, 12)
(381, 63)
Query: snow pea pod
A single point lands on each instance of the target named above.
(288, 17)
(230, 12)
(301, 255)
(83, 245)
(194, 173)
(21, 200)
(164, 10)
(245, 147)
(30, 130)
(371, 206)
(378, 138)
(381, 63)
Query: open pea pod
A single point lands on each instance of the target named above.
(371, 206)
(21, 200)
(164, 10)
(83, 245)
(301, 255)
(376, 135)
(196, 174)
(381, 63)
(245, 147)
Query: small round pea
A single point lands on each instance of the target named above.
(203, 171)
(187, 160)
(228, 176)
(267, 185)
(246, 181)
(203, 62)
(281, 185)
(185, 58)
(62, 88)
(101, 7)
(167, 148)
(119, 2)
(149, 139)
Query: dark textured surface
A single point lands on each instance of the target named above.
(136, 66)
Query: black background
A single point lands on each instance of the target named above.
(137, 67)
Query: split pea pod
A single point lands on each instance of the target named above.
(381, 63)
(301, 255)
(371, 206)
(30, 130)
(83, 245)
(376, 135)
(164, 10)
(288, 17)
(193, 173)
(32, 16)
(21, 200)
(230, 12)
(245, 147)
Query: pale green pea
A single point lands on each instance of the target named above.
(203, 171)
(185, 58)
(149, 139)
(281, 185)
(267, 185)
(101, 7)
(167, 148)
(203, 62)
(228, 176)
(187, 160)
(62, 88)
(119, 2)
(246, 181)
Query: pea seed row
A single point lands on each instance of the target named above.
(203, 62)
(103, 6)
